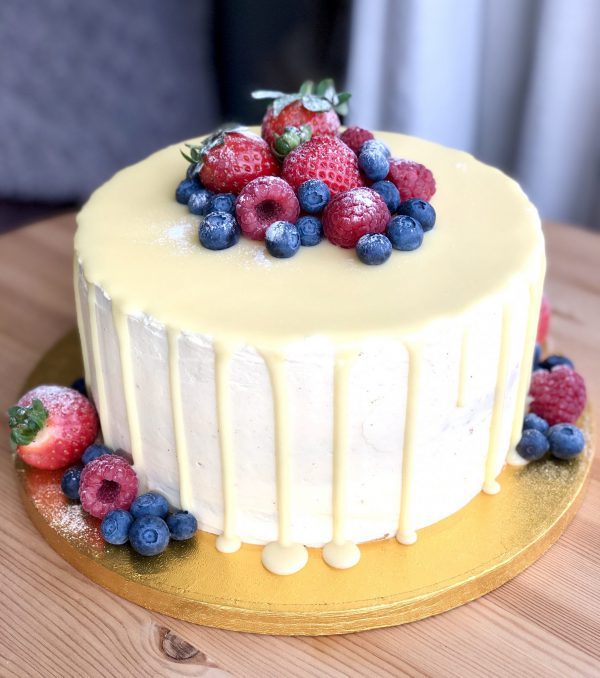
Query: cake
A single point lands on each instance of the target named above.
(311, 401)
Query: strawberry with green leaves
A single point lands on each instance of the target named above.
(228, 159)
(51, 427)
(316, 106)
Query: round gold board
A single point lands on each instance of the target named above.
(453, 562)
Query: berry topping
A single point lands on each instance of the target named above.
(69, 483)
(566, 441)
(405, 233)
(263, 201)
(221, 202)
(218, 231)
(79, 386)
(411, 179)
(198, 202)
(554, 361)
(557, 396)
(149, 504)
(107, 483)
(310, 230)
(230, 159)
(93, 452)
(326, 158)
(182, 525)
(420, 210)
(374, 163)
(291, 138)
(355, 137)
(544, 322)
(185, 189)
(353, 214)
(315, 106)
(533, 444)
(313, 195)
(375, 145)
(149, 535)
(373, 249)
(51, 426)
(389, 193)
(282, 239)
(115, 526)
(533, 421)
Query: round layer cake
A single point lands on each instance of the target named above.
(311, 401)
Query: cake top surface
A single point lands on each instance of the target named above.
(141, 247)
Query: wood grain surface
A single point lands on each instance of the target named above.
(54, 622)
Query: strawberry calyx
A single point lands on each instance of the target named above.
(198, 152)
(315, 98)
(291, 138)
(26, 422)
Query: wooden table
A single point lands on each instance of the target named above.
(54, 622)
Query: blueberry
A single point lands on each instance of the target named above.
(420, 210)
(374, 163)
(375, 144)
(185, 190)
(282, 239)
(182, 525)
(149, 535)
(310, 230)
(93, 452)
(115, 526)
(218, 231)
(373, 249)
(566, 441)
(555, 360)
(70, 482)
(532, 421)
(198, 201)
(405, 233)
(313, 195)
(221, 202)
(533, 444)
(390, 194)
(537, 355)
(149, 504)
(79, 386)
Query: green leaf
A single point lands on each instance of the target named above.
(316, 104)
(26, 422)
(267, 94)
(341, 102)
(306, 87)
(326, 89)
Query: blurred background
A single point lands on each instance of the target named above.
(88, 86)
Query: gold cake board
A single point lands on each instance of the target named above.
(453, 562)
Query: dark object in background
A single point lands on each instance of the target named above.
(276, 45)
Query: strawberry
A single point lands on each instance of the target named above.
(229, 159)
(51, 426)
(326, 158)
(317, 107)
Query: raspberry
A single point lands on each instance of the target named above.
(355, 137)
(107, 483)
(557, 396)
(262, 202)
(411, 179)
(544, 322)
(326, 158)
(353, 214)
